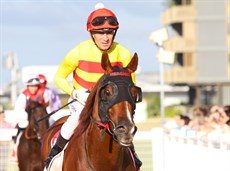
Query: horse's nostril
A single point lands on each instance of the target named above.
(120, 129)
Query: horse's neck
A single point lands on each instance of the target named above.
(43, 128)
(104, 144)
(33, 130)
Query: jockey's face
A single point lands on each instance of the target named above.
(103, 39)
(32, 89)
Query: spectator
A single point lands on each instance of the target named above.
(219, 118)
(199, 118)
(179, 122)
(227, 112)
(3, 123)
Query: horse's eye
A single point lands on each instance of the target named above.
(107, 93)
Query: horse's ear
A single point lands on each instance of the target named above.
(105, 63)
(132, 66)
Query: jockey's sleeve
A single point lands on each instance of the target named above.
(19, 109)
(68, 65)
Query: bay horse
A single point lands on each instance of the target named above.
(106, 126)
(29, 147)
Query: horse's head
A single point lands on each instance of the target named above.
(36, 111)
(117, 98)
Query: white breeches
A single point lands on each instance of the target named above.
(68, 127)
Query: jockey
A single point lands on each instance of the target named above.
(33, 91)
(84, 62)
(55, 102)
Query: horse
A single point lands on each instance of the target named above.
(29, 147)
(106, 126)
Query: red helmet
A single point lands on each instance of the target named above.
(102, 18)
(42, 79)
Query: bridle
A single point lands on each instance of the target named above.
(121, 82)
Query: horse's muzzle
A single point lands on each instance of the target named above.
(125, 134)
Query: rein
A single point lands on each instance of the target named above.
(37, 135)
(50, 114)
(105, 127)
(87, 155)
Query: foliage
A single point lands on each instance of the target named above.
(171, 111)
(168, 3)
(153, 107)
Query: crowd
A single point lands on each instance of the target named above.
(202, 123)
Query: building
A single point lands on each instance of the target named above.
(199, 34)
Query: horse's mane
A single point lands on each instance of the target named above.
(84, 118)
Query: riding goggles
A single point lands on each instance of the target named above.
(98, 21)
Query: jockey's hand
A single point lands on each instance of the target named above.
(23, 124)
(80, 95)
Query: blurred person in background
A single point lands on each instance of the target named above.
(55, 102)
(5, 140)
(199, 118)
(3, 123)
(178, 123)
(227, 112)
(34, 92)
(219, 118)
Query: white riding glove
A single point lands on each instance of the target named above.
(23, 124)
(80, 95)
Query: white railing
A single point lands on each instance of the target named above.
(178, 153)
(158, 151)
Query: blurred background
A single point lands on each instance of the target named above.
(36, 35)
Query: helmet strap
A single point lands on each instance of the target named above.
(114, 34)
